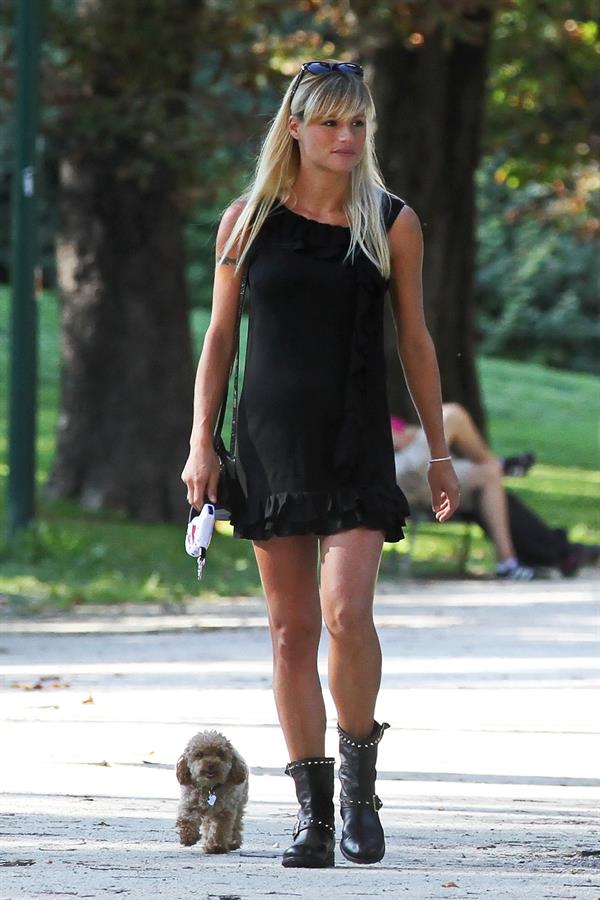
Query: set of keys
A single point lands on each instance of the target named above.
(199, 532)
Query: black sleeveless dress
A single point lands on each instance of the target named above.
(314, 444)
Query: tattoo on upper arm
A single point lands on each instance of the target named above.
(228, 261)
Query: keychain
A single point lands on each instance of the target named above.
(198, 534)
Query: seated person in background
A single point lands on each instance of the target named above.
(521, 539)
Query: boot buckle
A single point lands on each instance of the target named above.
(377, 804)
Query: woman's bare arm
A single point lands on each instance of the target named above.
(417, 352)
(201, 471)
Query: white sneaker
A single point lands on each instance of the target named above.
(516, 573)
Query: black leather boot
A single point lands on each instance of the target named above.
(314, 832)
(362, 835)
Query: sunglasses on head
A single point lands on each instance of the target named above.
(316, 67)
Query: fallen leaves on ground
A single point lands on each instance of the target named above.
(45, 681)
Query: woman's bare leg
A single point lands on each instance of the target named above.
(349, 566)
(463, 434)
(288, 571)
(494, 507)
(486, 474)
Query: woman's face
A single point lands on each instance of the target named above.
(334, 144)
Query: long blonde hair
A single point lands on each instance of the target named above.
(318, 96)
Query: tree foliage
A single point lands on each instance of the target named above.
(543, 93)
(543, 115)
(539, 271)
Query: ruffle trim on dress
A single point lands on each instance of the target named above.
(292, 231)
(323, 512)
(352, 439)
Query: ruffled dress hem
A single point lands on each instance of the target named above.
(323, 512)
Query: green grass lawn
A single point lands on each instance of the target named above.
(69, 556)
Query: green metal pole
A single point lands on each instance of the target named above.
(23, 333)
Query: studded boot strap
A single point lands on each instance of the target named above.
(308, 775)
(357, 772)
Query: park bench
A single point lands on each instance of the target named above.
(421, 515)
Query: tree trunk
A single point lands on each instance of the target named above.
(127, 366)
(430, 108)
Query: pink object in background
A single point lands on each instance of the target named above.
(398, 424)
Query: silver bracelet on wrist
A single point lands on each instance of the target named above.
(440, 459)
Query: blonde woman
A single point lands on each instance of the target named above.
(321, 240)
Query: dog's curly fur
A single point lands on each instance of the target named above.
(209, 761)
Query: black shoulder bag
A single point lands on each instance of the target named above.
(228, 488)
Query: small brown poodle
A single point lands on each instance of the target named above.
(214, 792)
